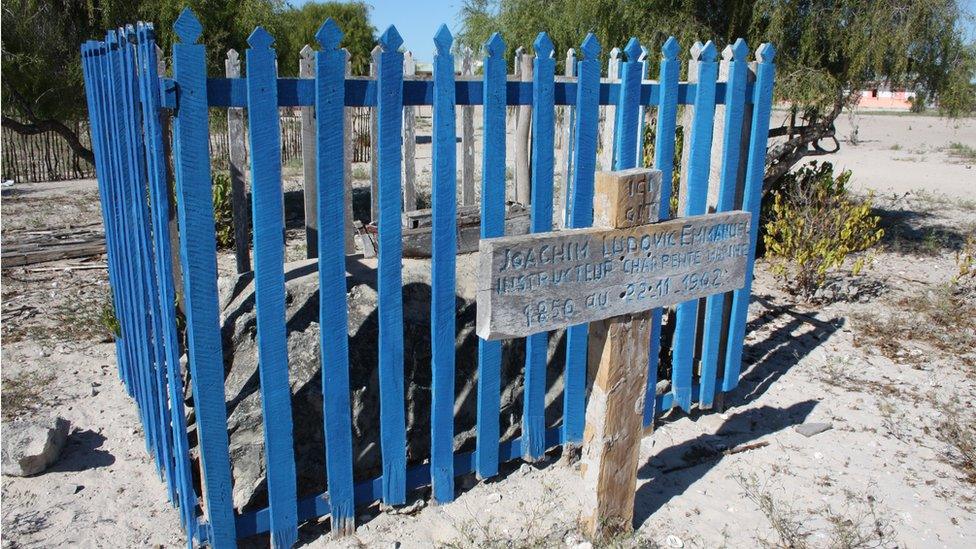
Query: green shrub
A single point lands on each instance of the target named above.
(223, 210)
(814, 223)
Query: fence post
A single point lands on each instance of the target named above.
(537, 345)
(235, 134)
(568, 131)
(584, 157)
(306, 69)
(409, 142)
(467, 136)
(443, 197)
(523, 177)
(349, 233)
(374, 193)
(331, 68)
(664, 145)
(686, 318)
(687, 118)
(751, 202)
(609, 121)
(642, 111)
(198, 247)
(492, 225)
(389, 82)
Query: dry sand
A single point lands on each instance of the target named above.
(885, 465)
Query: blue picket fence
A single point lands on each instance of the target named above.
(125, 100)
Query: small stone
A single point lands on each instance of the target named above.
(525, 469)
(583, 545)
(411, 509)
(32, 445)
(674, 541)
(494, 497)
(810, 429)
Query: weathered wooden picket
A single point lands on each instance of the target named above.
(126, 100)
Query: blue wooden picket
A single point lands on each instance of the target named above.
(125, 98)
(751, 202)
(537, 345)
(625, 144)
(443, 251)
(393, 430)
(584, 154)
(269, 285)
(160, 201)
(492, 225)
(695, 197)
(731, 138)
(198, 254)
(330, 66)
(664, 145)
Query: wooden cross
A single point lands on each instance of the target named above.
(611, 276)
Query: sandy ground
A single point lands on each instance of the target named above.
(895, 376)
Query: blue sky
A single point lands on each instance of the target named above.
(417, 21)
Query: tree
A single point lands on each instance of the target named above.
(296, 27)
(42, 82)
(827, 50)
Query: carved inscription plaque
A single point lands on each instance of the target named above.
(545, 281)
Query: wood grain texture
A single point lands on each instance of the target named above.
(467, 136)
(269, 286)
(393, 432)
(542, 282)
(567, 128)
(492, 225)
(625, 144)
(752, 202)
(330, 66)
(306, 69)
(238, 185)
(443, 259)
(198, 249)
(409, 142)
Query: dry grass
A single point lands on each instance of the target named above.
(858, 524)
(957, 430)
(941, 318)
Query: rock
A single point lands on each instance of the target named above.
(242, 385)
(493, 497)
(525, 469)
(810, 429)
(411, 509)
(32, 445)
(674, 541)
(583, 545)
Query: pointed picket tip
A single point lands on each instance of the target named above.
(591, 46)
(391, 39)
(495, 45)
(615, 53)
(187, 27)
(644, 53)
(708, 52)
(740, 50)
(633, 49)
(260, 38)
(111, 37)
(306, 51)
(443, 40)
(765, 53)
(543, 46)
(233, 55)
(329, 34)
(671, 48)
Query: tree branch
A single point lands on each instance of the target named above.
(56, 126)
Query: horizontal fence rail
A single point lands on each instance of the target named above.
(130, 107)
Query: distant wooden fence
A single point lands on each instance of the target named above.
(44, 156)
(123, 86)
